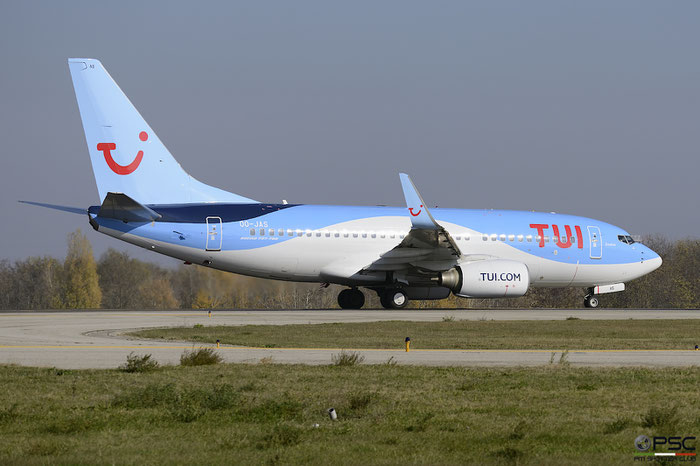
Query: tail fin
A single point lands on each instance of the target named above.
(127, 156)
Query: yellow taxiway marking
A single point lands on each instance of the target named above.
(341, 349)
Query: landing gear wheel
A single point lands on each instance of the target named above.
(383, 300)
(351, 299)
(396, 298)
(591, 301)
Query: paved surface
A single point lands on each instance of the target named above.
(81, 339)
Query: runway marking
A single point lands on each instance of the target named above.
(344, 349)
(97, 314)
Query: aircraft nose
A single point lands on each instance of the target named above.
(653, 264)
(651, 260)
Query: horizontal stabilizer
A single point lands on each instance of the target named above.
(63, 208)
(121, 207)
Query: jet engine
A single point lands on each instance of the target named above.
(495, 278)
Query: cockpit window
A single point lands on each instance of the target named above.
(626, 239)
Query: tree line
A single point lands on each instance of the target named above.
(118, 281)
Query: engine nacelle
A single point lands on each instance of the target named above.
(497, 278)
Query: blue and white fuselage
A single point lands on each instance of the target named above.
(147, 199)
(318, 243)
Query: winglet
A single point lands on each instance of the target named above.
(417, 209)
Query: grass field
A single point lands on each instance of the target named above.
(462, 334)
(265, 414)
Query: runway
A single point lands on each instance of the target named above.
(94, 339)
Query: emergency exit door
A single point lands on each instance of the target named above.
(214, 236)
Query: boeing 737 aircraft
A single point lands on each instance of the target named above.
(400, 253)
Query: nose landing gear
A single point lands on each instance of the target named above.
(590, 301)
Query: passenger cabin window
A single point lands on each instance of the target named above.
(503, 237)
(252, 232)
(280, 232)
(520, 238)
(511, 237)
(529, 238)
(494, 237)
(354, 234)
(484, 237)
(271, 232)
(290, 233)
(626, 239)
(262, 232)
(546, 239)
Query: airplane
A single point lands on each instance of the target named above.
(400, 253)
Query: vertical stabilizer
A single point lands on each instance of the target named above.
(126, 154)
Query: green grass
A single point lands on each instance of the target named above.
(139, 363)
(265, 414)
(552, 334)
(347, 358)
(200, 357)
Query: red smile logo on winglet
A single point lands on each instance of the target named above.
(410, 209)
(107, 147)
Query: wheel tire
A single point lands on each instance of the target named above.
(357, 299)
(593, 302)
(396, 298)
(344, 299)
(351, 299)
(383, 300)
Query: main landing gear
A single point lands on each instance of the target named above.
(393, 298)
(352, 298)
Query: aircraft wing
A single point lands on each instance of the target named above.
(426, 247)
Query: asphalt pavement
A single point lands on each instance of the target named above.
(95, 339)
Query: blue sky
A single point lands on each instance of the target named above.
(588, 108)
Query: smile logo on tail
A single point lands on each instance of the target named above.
(107, 147)
(410, 209)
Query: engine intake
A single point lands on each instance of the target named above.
(497, 278)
